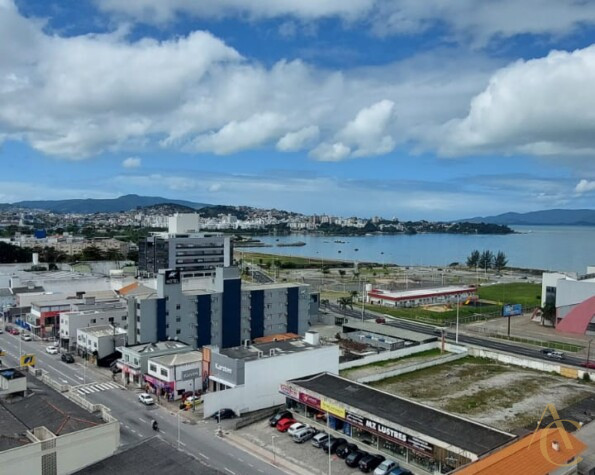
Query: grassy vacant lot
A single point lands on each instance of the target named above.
(526, 294)
(434, 317)
(289, 262)
(434, 352)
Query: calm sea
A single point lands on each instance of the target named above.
(564, 248)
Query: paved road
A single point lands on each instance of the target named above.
(463, 338)
(135, 418)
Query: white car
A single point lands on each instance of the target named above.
(52, 350)
(26, 337)
(293, 428)
(385, 467)
(146, 399)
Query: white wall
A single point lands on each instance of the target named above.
(263, 377)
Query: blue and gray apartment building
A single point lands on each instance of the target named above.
(225, 312)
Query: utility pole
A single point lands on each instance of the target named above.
(457, 332)
(588, 354)
(363, 299)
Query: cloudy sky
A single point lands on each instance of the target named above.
(416, 109)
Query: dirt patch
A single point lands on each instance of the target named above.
(501, 396)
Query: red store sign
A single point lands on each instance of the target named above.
(310, 400)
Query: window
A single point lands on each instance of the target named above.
(111, 319)
(124, 318)
(95, 344)
(178, 306)
(178, 319)
(163, 372)
(136, 361)
(178, 331)
(93, 320)
(153, 367)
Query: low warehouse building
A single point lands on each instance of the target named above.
(430, 439)
(417, 298)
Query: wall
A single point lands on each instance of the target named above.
(390, 355)
(263, 377)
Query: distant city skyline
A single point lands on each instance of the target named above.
(356, 107)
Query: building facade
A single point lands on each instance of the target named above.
(416, 298)
(100, 342)
(225, 313)
(173, 375)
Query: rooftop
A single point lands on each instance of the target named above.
(27, 289)
(102, 330)
(387, 330)
(179, 358)
(154, 455)
(534, 454)
(462, 433)
(159, 346)
(41, 406)
(251, 352)
(412, 294)
(276, 285)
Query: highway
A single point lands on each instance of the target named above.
(463, 338)
(135, 418)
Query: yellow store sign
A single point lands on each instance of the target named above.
(332, 409)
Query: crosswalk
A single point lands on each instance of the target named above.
(96, 387)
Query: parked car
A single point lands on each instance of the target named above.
(381, 320)
(146, 399)
(304, 434)
(1, 331)
(400, 471)
(52, 350)
(187, 394)
(352, 460)
(192, 401)
(386, 467)
(325, 442)
(293, 428)
(319, 438)
(555, 355)
(588, 364)
(223, 414)
(284, 424)
(67, 358)
(283, 414)
(369, 463)
(332, 445)
(13, 331)
(26, 337)
(345, 449)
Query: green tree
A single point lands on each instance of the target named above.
(10, 254)
(473, 259)
(92, 253)
(548, 312)
(486, 261)
(500, 261)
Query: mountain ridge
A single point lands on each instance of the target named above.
(551, 217)
(103, 205)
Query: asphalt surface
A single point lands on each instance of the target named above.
(135, 418)
(534, 353)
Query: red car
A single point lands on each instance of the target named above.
(13, 331)
(284, 424)
(590, 364)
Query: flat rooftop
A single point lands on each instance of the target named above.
(179, 358)
(387, 330)
(462, 433)
(102, 330)
(159, 346)
(154, 456)
(251, 352)
(275, 285)
(41, 406)
(418, 293)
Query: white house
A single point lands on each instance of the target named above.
(175, 374)
(100, 341)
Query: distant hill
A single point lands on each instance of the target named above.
(575, 217)
(89, 205)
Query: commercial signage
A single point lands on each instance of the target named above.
(190, 374)
(332, 409)
(223, 369)
(511, 310)
(172, 277)
(387, 432)
(289, 391)
(27, 360)
(310, 400)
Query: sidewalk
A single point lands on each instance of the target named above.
(263, 454)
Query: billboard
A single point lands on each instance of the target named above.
(511, 310)
(172, 277)
(27, 360)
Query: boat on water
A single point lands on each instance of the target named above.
(338, 241)
(291, 244)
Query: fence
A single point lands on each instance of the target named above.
(558, 345)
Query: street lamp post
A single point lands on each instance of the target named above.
(328, 426)
(363, 299)
(457, 332)
(588, 353)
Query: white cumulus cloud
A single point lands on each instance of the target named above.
(294, 141)
(585, 186)
(131, 162)
(331, 152)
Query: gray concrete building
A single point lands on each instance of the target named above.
(223, 313)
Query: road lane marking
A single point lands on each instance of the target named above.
(141, 419)
(203, 455)
(228, 470)
(182, 443)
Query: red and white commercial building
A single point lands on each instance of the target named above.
(420, 297)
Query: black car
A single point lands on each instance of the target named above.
(224, 414)
(354, 457)
(332, 445)
(67, 358)
(369, 463)
(280, 415)
(345, 449)
(324, 444)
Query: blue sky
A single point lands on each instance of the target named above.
(418, 110)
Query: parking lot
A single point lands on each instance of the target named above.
(313, 459)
